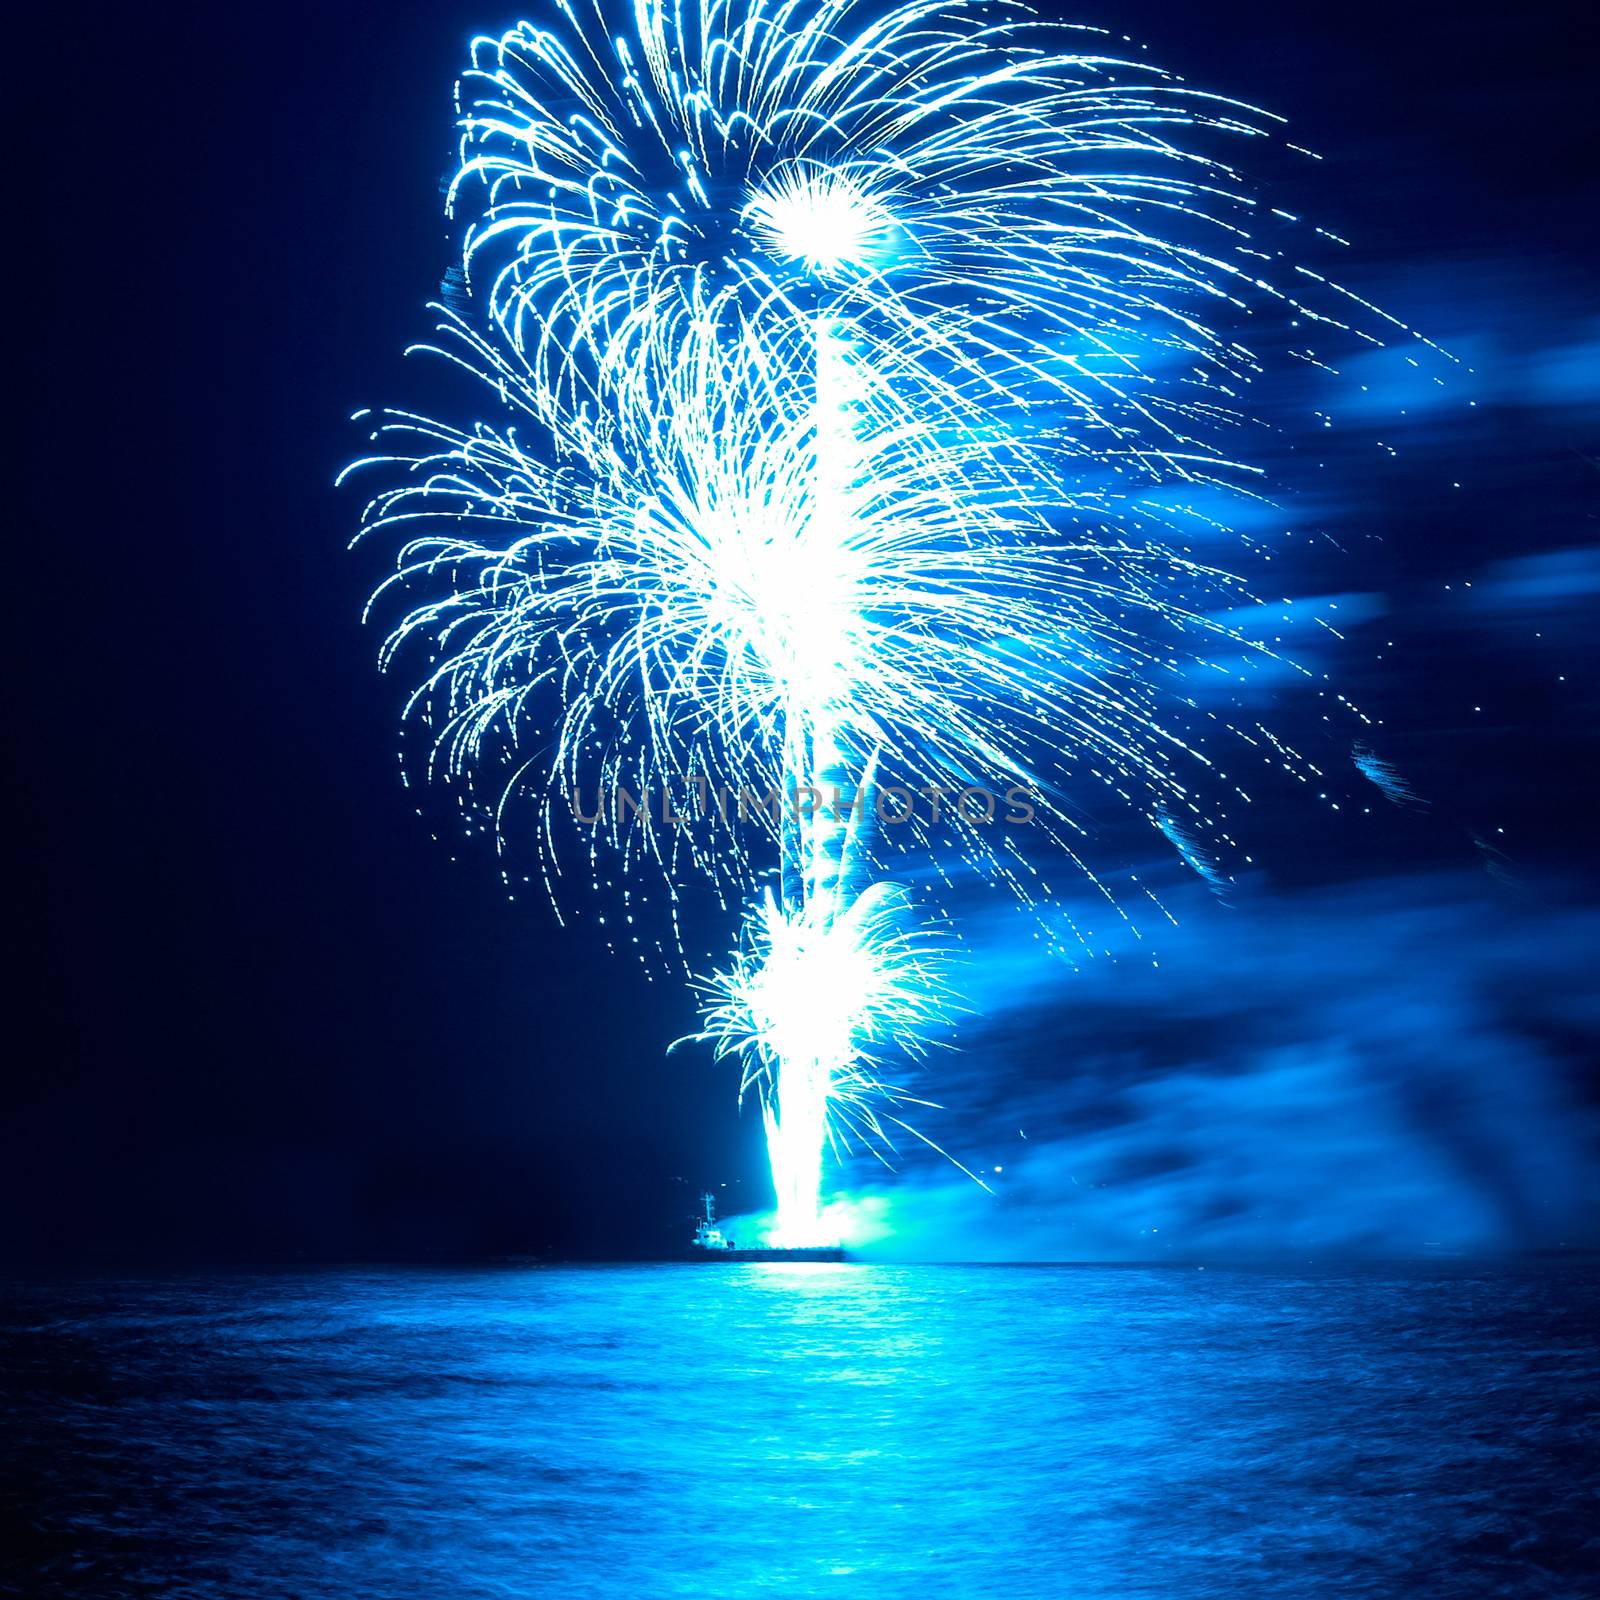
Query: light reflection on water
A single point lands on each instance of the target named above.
(845, 1430)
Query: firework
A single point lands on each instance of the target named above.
(843, 367)
(699, 593)
(815, 1007)
(1013, 221)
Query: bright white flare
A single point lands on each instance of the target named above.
(822, 219)
(813, 1007)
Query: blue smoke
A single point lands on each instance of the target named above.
(1387, 1067)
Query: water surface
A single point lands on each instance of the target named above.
(856, 1430)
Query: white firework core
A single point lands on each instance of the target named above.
(821, 219)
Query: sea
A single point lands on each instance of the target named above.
(854, 1430)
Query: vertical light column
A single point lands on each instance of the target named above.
(813, 834)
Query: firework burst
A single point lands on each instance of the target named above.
(815, 1008)
(1016, 223)
(844, 367)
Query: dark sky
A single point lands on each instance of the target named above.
(262, 1010)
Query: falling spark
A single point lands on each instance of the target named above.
(1194, 854)
(1385, 777)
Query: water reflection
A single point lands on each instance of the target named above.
(811, 1428)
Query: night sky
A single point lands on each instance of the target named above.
(273, 1004)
